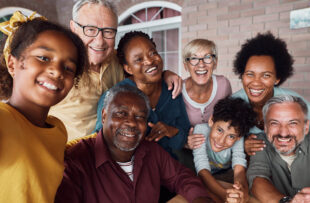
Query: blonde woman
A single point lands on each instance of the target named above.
(202, 89)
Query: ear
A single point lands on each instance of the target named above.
(103, 116)
(72, 26)
(277, 82)
(210, 122)
(185, 66)
(306, 127)
(127, 69)
(11, 64)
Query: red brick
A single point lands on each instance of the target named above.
(197, 27)
(255, 12)
(207, 33)
(277, 24)
(240, 7)
(210, 5)
(218, 11)
(265, 3)
(257, 27)
(279, 8)
(300, 84)
(225, 30)
(301, 4)
(228, 16)
(241, 21)
(265, 18)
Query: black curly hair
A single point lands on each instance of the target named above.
(266, 44)
(237, 112)
(23, 37)
(122, 45)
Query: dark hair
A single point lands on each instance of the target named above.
(122, 45)
(236, 111)
(117, 89)
(266, 45)
(23, 37)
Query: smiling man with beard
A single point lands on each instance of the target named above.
(280, 173)
(118, 165)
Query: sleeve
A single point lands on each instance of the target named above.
(70, 189)
(259, 167)
(201, 158)
(180, 179)
(179, 121)
(99, 113)
(238, 155)
(227, 87)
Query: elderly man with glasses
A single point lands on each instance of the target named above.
(95, 21)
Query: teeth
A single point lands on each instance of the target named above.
(284, 139)
(201, 72)
(127, 135)
(256, 91)
(48, 85)
(98, 49)
(151, 69)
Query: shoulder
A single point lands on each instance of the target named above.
(81, 151)
(202, 128)
(221, 79)
(54, 121)
(240, 94)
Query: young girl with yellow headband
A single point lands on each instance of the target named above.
(40, 62)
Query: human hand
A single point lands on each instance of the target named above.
(194, 141)
(174, 82)
(252, 145)
(302, 197)
(237, 194)
(160, 130)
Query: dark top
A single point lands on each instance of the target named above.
(92, 176)
(268, 164)
(170, 111)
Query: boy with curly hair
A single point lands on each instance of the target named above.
(224, 149)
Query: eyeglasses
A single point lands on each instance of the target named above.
(92, 31)
(195, 60)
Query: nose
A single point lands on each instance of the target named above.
(131, 120)
(99, 38)
(284, 130)
(56, 70)
(221, 140)
(148, 60)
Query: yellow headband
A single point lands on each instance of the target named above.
(10, 26)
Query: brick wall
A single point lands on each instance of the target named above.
(227, 22)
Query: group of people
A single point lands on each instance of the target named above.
(137, 132)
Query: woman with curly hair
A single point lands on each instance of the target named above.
(263, 64)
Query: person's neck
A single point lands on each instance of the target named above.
(95, 68)
(199, 93)
(121, 156)
(35, 114)
(151, 90)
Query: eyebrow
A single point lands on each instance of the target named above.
(53, 50)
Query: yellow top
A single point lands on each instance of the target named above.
(31, 158)
(78, 110)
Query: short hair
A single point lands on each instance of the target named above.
(80, 3)
(236, 111)
(199, 44)
(24, 36)
(282, 99)
(122, 45)
(266, 45)
(117, 89)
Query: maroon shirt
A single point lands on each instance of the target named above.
(92, 176)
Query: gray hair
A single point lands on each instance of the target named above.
(282, 99)
(111, 93)
(80, 3)
(199, 44)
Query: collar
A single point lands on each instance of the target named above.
(102, 153)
